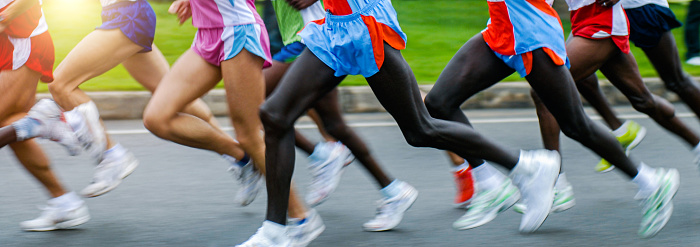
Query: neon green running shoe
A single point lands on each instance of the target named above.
(486, 204)
(658, 207)
(633, 135)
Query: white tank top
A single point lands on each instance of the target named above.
(106, 3)
(630, 4)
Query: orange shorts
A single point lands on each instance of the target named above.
(37, 53)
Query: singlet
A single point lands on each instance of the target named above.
(223, 13)
(291, 20)
(614, 24)
(630, 4)
(28, 24)
(106, 3)
(345, 7)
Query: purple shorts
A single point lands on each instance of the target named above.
(135, 19)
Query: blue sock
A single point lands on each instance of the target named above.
(26, 128)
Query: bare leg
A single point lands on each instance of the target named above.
(549, 129)
(668, 64)
(589, 88)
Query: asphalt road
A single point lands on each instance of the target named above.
(180, 196)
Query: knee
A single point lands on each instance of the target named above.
(577, 129)
(273, 121)
(679, 84)
(155, 122)
(439, 107)
(424, 136)
(59, 90)
(645, 104)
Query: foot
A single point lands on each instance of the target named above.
(55, 217)
(85, 120)
(302, 234)
(632, 136)
(326, 167)
(658, 207)
(109, 174)
(535, 175)
(465, 187)
(250, 180)
(563, 198)
(693, 61)
(51, 125)
(486, 204)
(265, 237)
(391, 210)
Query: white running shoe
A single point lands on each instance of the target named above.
(326, 167)
(486, 204)
(303, 234)
(54, 217)
(658, 207)
(535, 175)
(693, 61)
(259, 239)
(249, 178)
(109, 174)
(563, 197)
(53, 125)
(391, 210)
(85, 120)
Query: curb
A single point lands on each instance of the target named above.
(130, 104)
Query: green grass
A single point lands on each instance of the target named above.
(436, 29)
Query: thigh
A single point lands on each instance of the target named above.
(474, 68)
(98, 52)
(245, 86)
(666, 59)
(18, 89)
(190, 78)
(622, 71)
(587, 55)
(147, 68)
(306, 81)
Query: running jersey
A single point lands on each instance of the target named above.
(345, 7)
(28, 24)
(291, 20)
(597, 21)
(630, 4)
(106, 3)
(223, 13)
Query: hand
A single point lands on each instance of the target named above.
(607, 3)
(301, 4)
(182, 9)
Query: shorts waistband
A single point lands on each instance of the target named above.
(353, 16)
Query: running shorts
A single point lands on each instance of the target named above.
(289, 52)
(135, 19)
(649, 22)
(220, 44)
(353, 44)
(518, 27)
(594, 21)
(37, 53)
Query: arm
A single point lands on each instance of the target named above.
(182, 9)
(301, 4)
(13, 10)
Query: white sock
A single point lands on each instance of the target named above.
(622, 130)
(645, 180)
(67, 200)
(463, 166)
(561, 181)
(487, 177)
(274, 232)
(115, 152)
(392, 190)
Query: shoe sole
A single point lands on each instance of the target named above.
(129, 169)
(491, 215)
(313, 237)
(413, 200)
(61, 225)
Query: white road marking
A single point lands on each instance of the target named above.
(392, 123)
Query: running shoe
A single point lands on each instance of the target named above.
(52, 125)
(250, 180)
(634, 135)
(658, 207)
(110, 173)
(326, 167)
(85, 120)
(55, 217)
(486, 204)
(563, 198)
(465, 187)
(535, 175)
(391, 210)
(693, 61)
(302, 234)
(259, 239)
